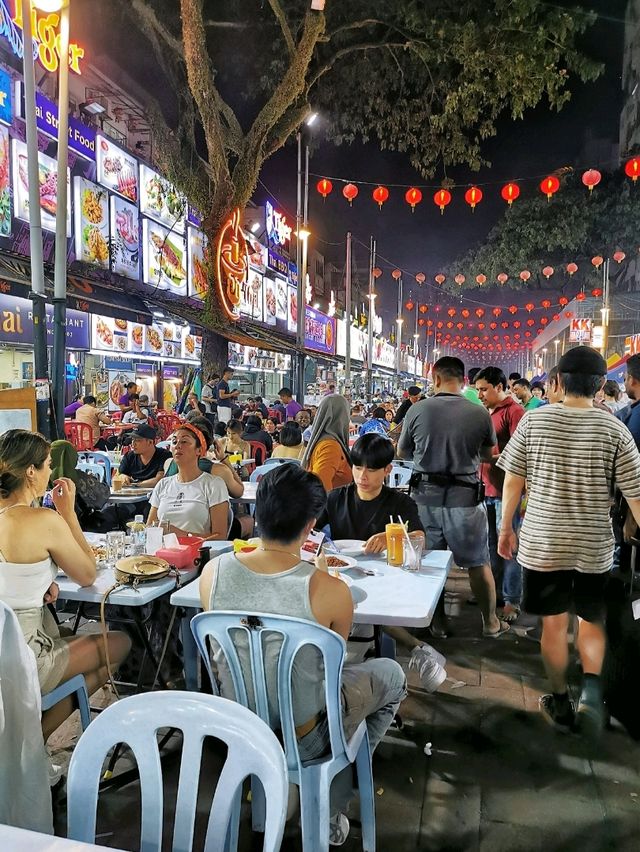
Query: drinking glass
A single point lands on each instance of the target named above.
(395, 535)
(115, 544)
(412, 551)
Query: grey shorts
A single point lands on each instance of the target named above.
(463, 531)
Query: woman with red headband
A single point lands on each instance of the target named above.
(192, 501)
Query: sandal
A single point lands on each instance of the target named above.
(504, 628)
(510, 613)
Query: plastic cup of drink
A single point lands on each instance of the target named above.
(115, 544)
(116, 483)
(412, 552)
(395, 536)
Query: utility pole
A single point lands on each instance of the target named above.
(347, 311)
(301, 300)
(372, 306)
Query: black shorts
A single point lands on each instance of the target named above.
(554, 592)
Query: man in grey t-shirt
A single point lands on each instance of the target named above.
(447, 437)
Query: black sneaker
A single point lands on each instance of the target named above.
(591, 716)
(564, 721)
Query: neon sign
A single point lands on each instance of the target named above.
(232, 264)
(46, 42)
(278, 231)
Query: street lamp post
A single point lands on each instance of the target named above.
(302, 235)
(372, 308)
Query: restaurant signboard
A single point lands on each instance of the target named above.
(16, 323)
(319, 331)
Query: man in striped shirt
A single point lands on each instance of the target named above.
(569, 455)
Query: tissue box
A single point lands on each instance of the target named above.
(180, 556)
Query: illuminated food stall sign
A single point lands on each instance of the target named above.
(46, 42)
(164, 340)
(319, 331)
(82, 139)
(580, 330)
(6, 113)
(160, 200)
(48, 189)
(232, 264)
(117, 169)
(92, 222)
(164, 258)
(125, 238)
(198, 281)
(16, 323)
(278, 230)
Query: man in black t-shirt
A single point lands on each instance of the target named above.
(226, 398)
(361, 511)
(143, 465)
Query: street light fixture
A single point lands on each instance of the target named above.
(49, 5)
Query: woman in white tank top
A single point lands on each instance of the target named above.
(34, 543)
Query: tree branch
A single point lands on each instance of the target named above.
(289, 122)
(279, 13)
(345, 51)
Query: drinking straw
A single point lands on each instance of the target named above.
(405, 531)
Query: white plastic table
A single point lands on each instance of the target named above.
(248, 495)
(20, 840)
(130, 495)
(392, 598)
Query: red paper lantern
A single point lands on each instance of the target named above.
(440, 278)
(527, 334)
(396, 274)
(473, 196)
(502, 277)
(496, 312)
(380, 195)
(596, 292)
(571, 268)
(423, 309)
(580, 297)
(480, 279)
(568, 314)
(510, 191)
(409, 305)
(525, 275)
(442, 198)
(459, 279)
(529, 307)
(493, 325)
(531, 322)
(459, 325)
(562, 301)
(480, 312)
(516, 336)
(513, 309)
(324, 187)
(544, 320)
(420, 322)
(619, 256)
(517, 324)
(376, 272)
(481, 326)
(350, 191)
(597, 261)
(465, 312)
(550, 185)
(545, 303)
(591, 178)
(449, 325)
(413, 196)
(632, 168)
(555, 317)
(429, 323)
(496, 337)
(504, 325)
(547, 272)
(452, 312)
(421, 278)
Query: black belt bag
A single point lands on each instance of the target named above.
(445, 480)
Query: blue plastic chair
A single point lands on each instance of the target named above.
(96, 457)
(313, 778)
(253, 750)
(399, 476)
(75, 686)
(98, 470)
(273, 462)
(260, 471)
(165, 445)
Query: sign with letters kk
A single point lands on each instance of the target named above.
(580, 330)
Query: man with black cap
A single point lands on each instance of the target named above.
(143, 465)
(414, 394)
(569, 456)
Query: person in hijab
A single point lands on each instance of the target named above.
(327, 453)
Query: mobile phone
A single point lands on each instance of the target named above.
(311, 548)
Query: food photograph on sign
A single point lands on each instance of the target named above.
(125, 238)
(5, 189)
(154, 339)
(257, 254)
(281, 299)
(117, 170)
(160, 200)
(48, 188)
(292, 313)
(198, 280)
(164, 258)
(251, 296)
(92, 222)
(269, 291)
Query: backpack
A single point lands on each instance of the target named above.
(93, 493)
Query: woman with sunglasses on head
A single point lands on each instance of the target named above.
(192, 501)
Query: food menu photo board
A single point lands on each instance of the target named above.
(281, 300)
(109, 335)
(166, 340)
(269, 291)
(197, 283)
(118, 381)
(319, 331)
(153, 339)
(125, 238)
(292, 309)
(5, 189)
(48, 184)
(117, 170)
(91, 222)
(251, 300)
(257, 253)
(164, 258)
(160, 200)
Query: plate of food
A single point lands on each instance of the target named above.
(340, 563)
(350, 546)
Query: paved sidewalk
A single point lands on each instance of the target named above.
(499, 779)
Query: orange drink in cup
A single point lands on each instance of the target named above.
(395, 539)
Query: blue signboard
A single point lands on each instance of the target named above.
(82, 139)
(6, 114)
(16, 323)
(319, 331)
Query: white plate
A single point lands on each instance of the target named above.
(350, 546)
(349, 561)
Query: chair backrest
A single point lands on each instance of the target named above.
(116, 416)
(277, 415)
(399, 476)
(273, 462)
(258, 452)
(252, 750)
(98, 470)
(258, 472)
(164, 444)
(98, 458)
(167, 424)
(79, 434)
(296, 633)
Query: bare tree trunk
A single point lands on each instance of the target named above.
(215, 353)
